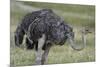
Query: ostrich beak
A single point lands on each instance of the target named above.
(88, 31)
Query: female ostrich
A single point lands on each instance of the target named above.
(43, 29)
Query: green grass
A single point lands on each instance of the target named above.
(75, 15)
(57, 54)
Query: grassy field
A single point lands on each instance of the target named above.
(77, 16)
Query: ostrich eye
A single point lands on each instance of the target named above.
(86, 30)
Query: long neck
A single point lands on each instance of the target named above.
(84, 39)
(78, 47)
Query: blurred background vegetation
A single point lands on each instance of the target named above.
(77, 16)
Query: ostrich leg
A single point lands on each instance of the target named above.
(39, 51)
(45, 54)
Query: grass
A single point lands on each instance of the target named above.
(57, 54)
(75, 15)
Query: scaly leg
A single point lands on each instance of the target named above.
(45, 54)
(39, 51)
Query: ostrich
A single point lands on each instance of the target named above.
(43, 29)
